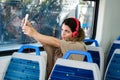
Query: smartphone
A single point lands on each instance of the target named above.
(26, 18)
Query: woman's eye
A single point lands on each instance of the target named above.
(67, 31)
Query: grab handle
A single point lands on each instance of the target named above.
(91, 40)
(69, 52)
(29, 47)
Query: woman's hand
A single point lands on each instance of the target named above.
(28, 29)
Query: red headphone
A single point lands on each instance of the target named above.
(75, 33)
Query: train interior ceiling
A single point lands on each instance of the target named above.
(99, 18)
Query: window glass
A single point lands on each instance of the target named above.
(86, 16)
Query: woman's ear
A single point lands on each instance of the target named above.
(75, 33)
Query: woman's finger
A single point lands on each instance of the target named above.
(28, 24)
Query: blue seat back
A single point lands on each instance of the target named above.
(70, 73)
(115, 45)
(118, 38)
(66, 69)
(21, 69)
(95, 56)
(93, 41)
(26, 66)
(113, 68)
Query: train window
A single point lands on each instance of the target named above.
(46, 16)
(86, 16)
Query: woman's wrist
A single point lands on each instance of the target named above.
(34, 34)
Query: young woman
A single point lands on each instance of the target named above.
(72, 36)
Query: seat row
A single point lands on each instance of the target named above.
(112, 71)
(33, 67)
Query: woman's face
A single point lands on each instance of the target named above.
(65, 32)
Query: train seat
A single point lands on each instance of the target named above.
(113, 69)
(66, 69)
(97, 56)
(23, 66)
(114, 45)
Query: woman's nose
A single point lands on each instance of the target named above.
(63, 33)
